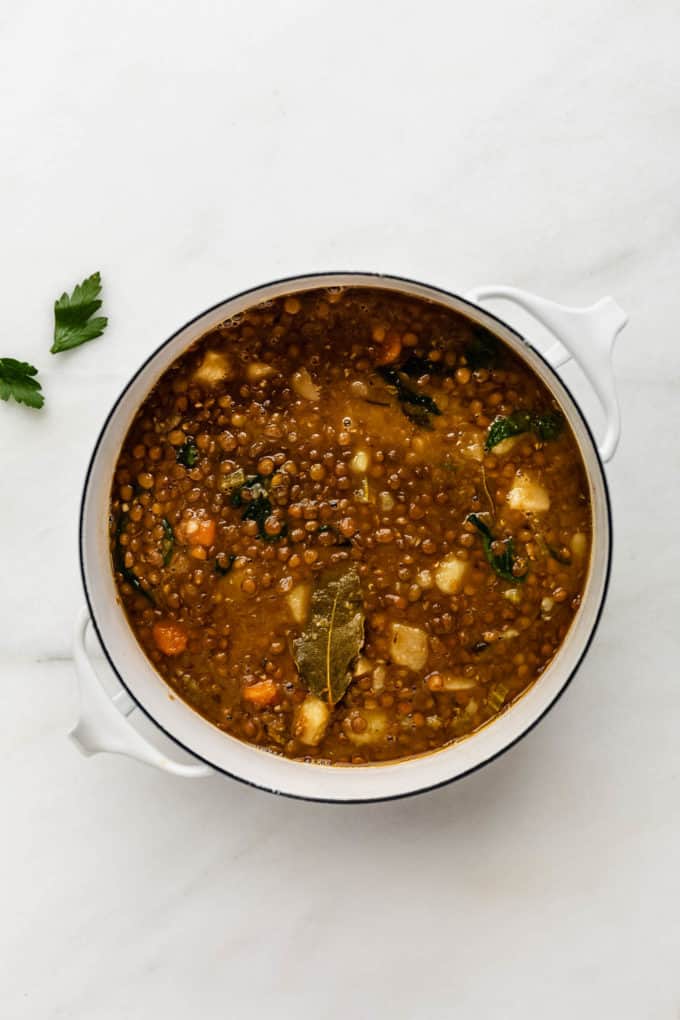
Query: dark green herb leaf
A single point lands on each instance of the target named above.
(547, 426)
(119, 562)
(257, 505)
(503, 562)
(416, 406)
(418, 415)
(415, 366)
(168, 544)
(255, 482)
(73, 322)
(259, 509)
(505, 427)
(224, 563)
(482, 350)
(334, 635)
(17, 380)
(556, 555)
(187, 453)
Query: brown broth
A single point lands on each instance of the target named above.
(358, 419)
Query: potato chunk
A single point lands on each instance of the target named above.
(375, 730)
(505, 446)
(258, 370)
(528, 495)
(298, 602)
(360, 462)
(579, 544)
(362, 666)
(213, 369)
(311, 720)
(449, 574)
(409, 646)
(471, 445)
(304, 385)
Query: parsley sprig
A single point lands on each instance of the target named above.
(17, 380)
(73, 322)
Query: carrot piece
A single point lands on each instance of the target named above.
(198, 531)
(171, 638)
(262, 692)
(390, 350)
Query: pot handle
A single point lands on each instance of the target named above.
(103, 724)
(587, 335)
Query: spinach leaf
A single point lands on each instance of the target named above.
(547, 425)
(258, 510)
(502, 562)
(415, 366)
(505, 427)
(482, 350)
(416, 406)
(258, 507)
(556, 555)
(254, 483)
(418, 415)
(187, 453)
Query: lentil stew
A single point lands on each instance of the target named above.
(350, 526)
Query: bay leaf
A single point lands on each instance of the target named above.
(333, 635)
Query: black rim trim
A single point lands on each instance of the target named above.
(334, 800)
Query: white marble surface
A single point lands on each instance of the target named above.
(191, 150)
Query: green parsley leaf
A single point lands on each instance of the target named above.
(73, 322)
(17, 379)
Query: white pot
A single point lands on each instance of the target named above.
(587, 334)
